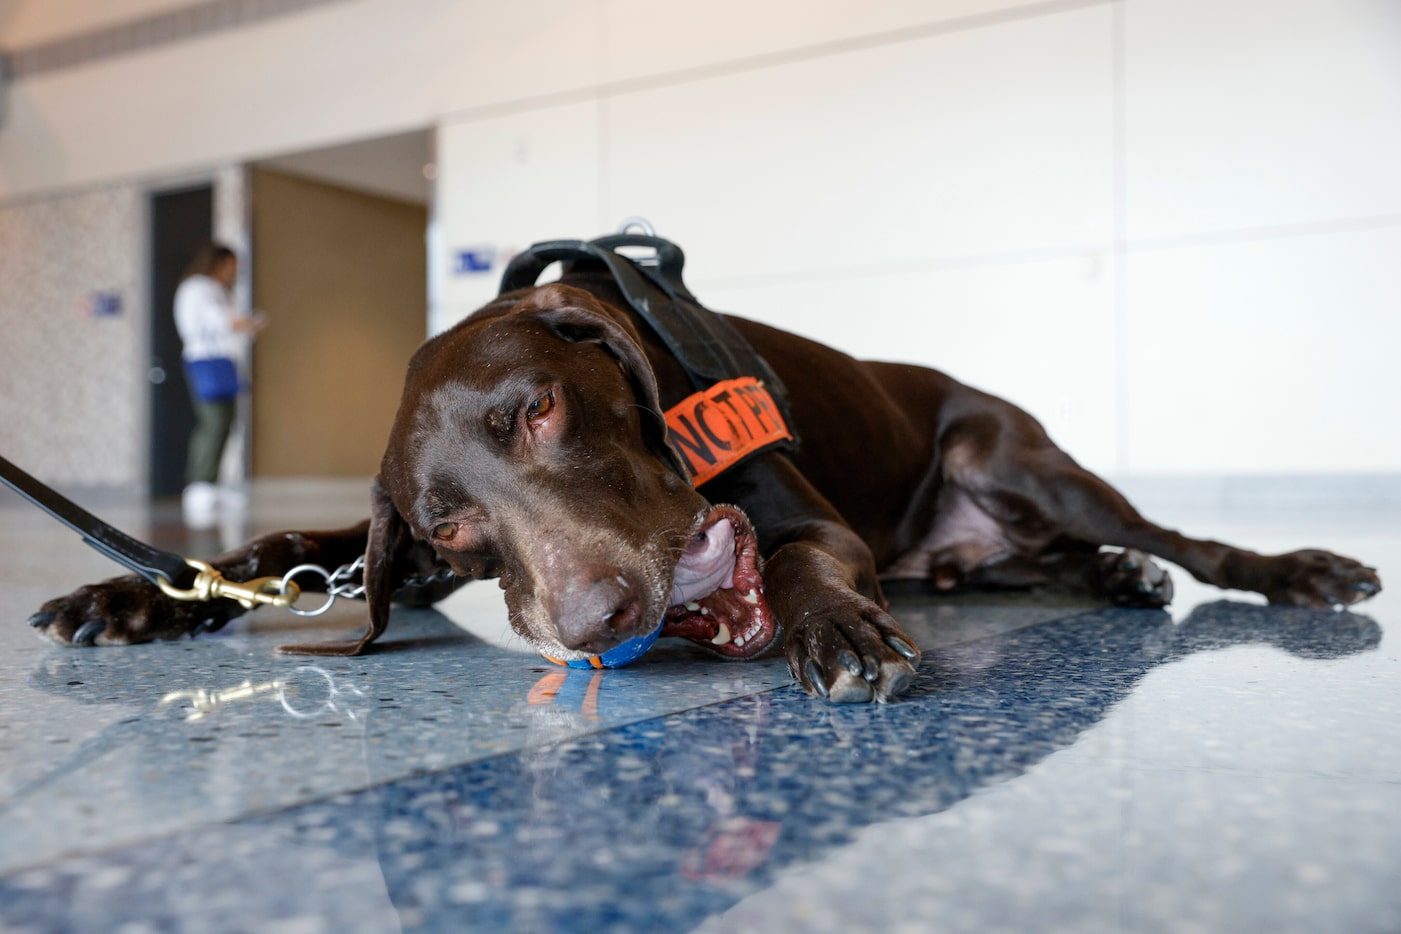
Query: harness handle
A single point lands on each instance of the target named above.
(669, 262)
(631, 275)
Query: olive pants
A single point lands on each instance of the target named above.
(212, 423)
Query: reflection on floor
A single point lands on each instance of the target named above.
(1225, 767)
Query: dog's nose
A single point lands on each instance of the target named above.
(597, 616)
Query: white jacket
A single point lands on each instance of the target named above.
(204, 316)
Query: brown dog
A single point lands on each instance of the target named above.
(530, 446)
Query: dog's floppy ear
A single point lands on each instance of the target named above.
(577, 316)
(389, 542)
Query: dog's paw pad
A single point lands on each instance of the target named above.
(1131, 578)
(847, 688)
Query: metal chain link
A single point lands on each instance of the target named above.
(341, 582)
(344, 582)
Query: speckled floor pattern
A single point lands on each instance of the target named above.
(1058, 767)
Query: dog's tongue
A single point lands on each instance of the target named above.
(707, 566)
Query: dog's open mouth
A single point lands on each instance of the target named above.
(717, 597)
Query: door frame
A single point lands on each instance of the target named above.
(166, 398)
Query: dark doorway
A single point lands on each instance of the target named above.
(181, 221)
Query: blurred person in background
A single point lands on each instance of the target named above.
(212, 334)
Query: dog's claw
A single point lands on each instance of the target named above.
(903, 647)
(41, 619)
(850, 662)
(88, 632)
(815, 677)
(870, 667)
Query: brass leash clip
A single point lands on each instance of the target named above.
(211, 585)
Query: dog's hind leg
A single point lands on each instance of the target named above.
(1039, 498)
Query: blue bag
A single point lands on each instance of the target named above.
(214, 379)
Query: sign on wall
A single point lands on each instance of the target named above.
(473, 260)
(103, 304)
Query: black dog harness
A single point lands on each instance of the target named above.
(740, 406)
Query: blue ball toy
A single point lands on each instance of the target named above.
(624, 653)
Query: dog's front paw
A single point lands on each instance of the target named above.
(1320, 578)
(851, 652)
(125, 611)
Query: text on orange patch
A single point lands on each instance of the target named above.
(720, 426)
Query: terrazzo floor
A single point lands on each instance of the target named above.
(1224, 766)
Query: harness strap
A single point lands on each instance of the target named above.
(706, 345)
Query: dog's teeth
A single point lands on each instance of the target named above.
(739, 640)
(751, 597)
(693, 606)
(722, 637)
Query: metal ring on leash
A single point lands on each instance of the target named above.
(315, 569)
(631, 222)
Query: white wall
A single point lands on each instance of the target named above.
(1171, 230)
(1168, 227)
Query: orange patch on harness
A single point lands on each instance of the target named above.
(721, 426)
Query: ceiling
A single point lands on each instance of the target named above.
(30, 22)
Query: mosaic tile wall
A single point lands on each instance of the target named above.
(72, 319)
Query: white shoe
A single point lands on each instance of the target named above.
(200, 504)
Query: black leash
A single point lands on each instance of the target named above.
(151, 563)
(176, 576)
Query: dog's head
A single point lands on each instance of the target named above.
(530, 446)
